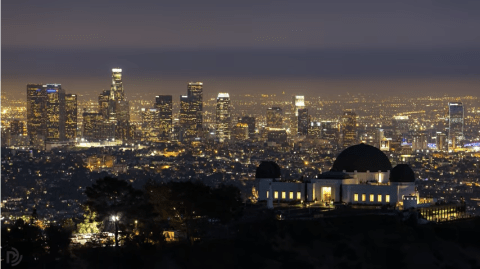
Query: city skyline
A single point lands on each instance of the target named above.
(244, 134)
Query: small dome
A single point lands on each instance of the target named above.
(268, 170)
(361, 158)
(402, 173)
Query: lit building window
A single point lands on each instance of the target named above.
(299, 195)
(387, 198)
(364, 197)
(291, 195)
(275, 195)
(268, 194)
(372, 198)
(284, 195)
(379, 197)
(355, 197)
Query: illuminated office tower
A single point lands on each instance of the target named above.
(349, 128)
(240, 131)
(274, 117)
(400, 127)
(116, 89)
(104, 104)
(315, 130)
(455, 123)
(250, 121)
(329, 130)
(16, 127)
(92, 126)
(55, 122)
(419, 141)
(223, 119)
(122, 113)
(36, 115)
(71, 116)
(150, 126)
(298, 102)
(195, 94)
(191, 109)
(303, 121)
(441, 141)
(188, 118)
(163, 103)
(96, 128)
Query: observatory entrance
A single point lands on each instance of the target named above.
(327, 193)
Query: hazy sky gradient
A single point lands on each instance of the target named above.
(162, 45)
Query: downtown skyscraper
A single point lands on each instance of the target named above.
(274, 117)
(191, 109)
(71, 117)
(164, 106)
(298, 103)
(47, 114)
(349, 128)
(115, 108)
(455, 123)
(223, 118)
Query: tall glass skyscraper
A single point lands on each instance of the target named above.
(191, 109)
(455, 123)
(298, 103)
(274, 117)
(303, 121)
(223, 119)
(48, 114)
(36, 115)
(195, 94)
(163, 103)
(349, 128)
(150, 126)
(55, 113)
(116, 89)
(71, 116)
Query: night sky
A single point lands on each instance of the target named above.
(309, 47)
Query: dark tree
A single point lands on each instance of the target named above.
(115, 199)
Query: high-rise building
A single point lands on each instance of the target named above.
(188, 118)
(71, 116)
(104, 104)
(191, 109)
(150, 126)
(274, 117)
(55, 113)
(223, 120)
(298, 102)
(330, 131)
(195, 94)
(96, 128)
(240, 131)
(349, 128)
(250, 121)
(400, 127)
(419, 141)
(36, 115)
(163, 103)
(122, 113)
(303, 121)
(115, 109)
(92, 126)
(16, 127)
(116, 90)
(315, 130)
(441, 141)
(455, 123)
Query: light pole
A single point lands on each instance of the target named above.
(115, 219)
